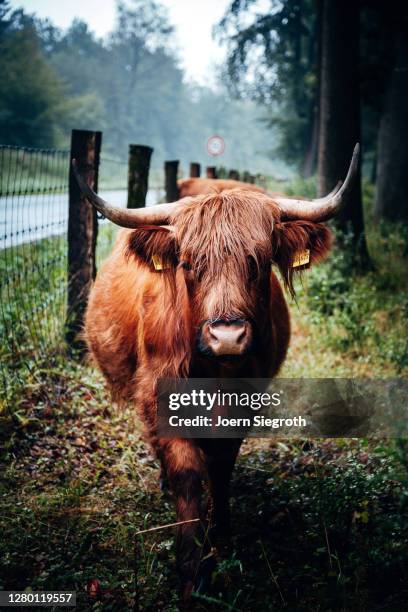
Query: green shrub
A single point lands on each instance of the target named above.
(366, 314)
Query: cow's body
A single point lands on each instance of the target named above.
(142, 325)
(212, 307)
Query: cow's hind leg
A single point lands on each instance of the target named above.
(183, 465)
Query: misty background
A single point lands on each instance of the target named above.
(132, 83)
(290, 86)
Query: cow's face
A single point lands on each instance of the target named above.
(221, 248)
(225, 244)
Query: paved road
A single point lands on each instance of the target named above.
(32, 217)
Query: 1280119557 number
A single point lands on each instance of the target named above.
(42, 598)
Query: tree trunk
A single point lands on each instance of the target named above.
(309, 165)
(340, 113)
(391, 201)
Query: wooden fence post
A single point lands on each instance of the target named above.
(170, 171)
(82, 232)
(195, 169)
(138, 175)
(234, 175)
(260, 179)
(211, 172)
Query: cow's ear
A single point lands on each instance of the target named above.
(155, 245)
(297, 245)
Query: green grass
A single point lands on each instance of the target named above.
(32, 310)
(317, 524)
(33, 297)
(357, 324)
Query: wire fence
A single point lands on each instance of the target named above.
(112, 174)
(33, 255)
(112, 179)
(34, 216)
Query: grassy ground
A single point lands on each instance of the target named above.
(33, 300)
(318, 524)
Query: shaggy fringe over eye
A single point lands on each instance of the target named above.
(180, 327)
(168, 328)
(293, 236)
(234, 225)
(169, 332)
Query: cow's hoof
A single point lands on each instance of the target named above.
(221, 536)
(164, 485)
(205, 572)
(185, 599)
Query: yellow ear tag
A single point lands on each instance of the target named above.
(159, 264)
(301, 258)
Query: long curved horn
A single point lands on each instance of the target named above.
(321, 209)
(330, 194)
(125, 217)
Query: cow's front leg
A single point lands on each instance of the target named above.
(182, 463)
(220, 457)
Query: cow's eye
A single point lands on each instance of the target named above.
(185, 265)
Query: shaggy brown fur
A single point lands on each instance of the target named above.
(142, 325)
